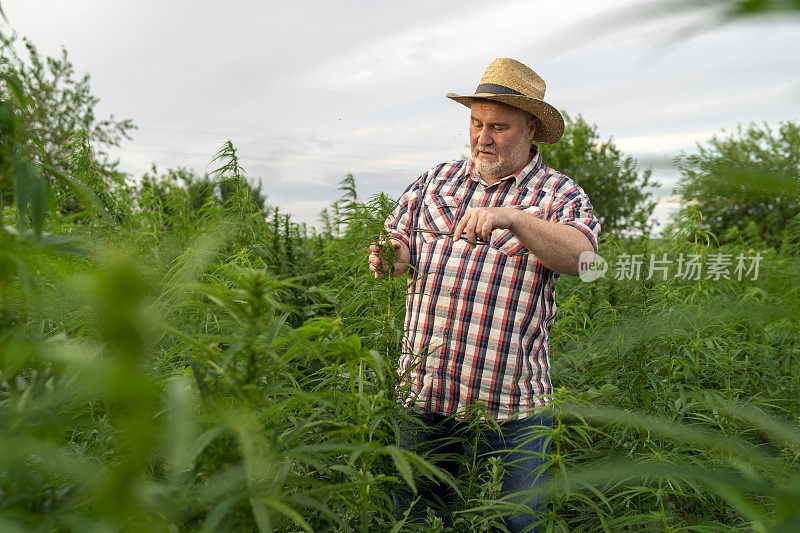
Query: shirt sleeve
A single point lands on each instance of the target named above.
(571, 206)
(399, 222)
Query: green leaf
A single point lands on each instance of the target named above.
(288, 512)
(84, 194)
(31, 194)
(402, 464)
(217, 514)
(261, 515)
(16, 89)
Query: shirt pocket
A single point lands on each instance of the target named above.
(438, 214)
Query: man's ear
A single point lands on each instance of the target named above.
(534, 125)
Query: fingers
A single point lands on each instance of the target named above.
(467, 226)
(380, 248)
(462, 223)
(376, 260)
(379, 266)
(476, 224)
(469, 230)
(376, 264)
(400, 268)
(486, 229)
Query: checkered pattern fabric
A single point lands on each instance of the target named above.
(478, 321)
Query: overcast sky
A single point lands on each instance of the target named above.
(311, 91)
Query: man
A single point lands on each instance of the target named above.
(483, 242)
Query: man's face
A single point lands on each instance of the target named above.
(500, 138)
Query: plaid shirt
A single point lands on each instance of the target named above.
(478, 321)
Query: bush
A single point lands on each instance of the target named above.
(616, 185)
(748, 178)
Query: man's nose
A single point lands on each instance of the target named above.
(485, 138)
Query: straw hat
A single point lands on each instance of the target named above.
(510, 82)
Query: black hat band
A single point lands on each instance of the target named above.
(494, 88)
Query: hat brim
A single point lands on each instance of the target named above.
(551, 123)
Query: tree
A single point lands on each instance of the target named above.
(616, 185)
(750, 177)
(21, 181)
(61, 113)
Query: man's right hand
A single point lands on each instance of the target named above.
(378, 264)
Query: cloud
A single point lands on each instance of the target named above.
(662, 143)
(310, 91)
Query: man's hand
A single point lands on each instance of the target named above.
(377, 263)
(557, 246)
(479, 222)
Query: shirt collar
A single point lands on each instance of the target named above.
(520, 178)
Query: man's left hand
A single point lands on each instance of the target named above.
(479, 222)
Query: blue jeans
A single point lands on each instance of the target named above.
(522, 445)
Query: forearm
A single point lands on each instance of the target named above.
(556, 246)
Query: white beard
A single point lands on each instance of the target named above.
(496, 169)
(491, 170)
(502, 167)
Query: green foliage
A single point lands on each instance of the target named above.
(175, 354)
(187, 395)
(59, 104)
(615, 183)
(732, 10)
(667, 388)
(749, 177)
(17, 172)
(230, 385)
(211, 367)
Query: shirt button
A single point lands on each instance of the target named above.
(453, 292)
